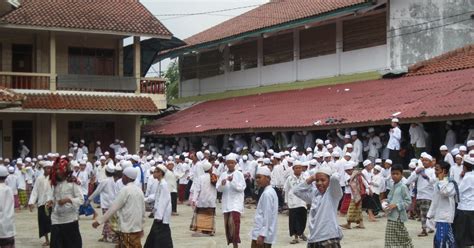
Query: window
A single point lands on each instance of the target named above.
(318, 41)
(278, 49)
(243, 56)
(188, 66)
(211, 64)
(365, 32)
(91, 61)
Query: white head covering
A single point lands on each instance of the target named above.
(126, 164)
(102, 158)
(245, 158)
(329, 146)
(353, 133)
(200, 155)
(412, 165)
(3, 171)
(463, 148)
(378, 167)
(395, 120)
(426, 156)
(470, 143)
(48, 164)
(347, 136)
(206, 166)
(130, 172)
(231, 156)
(388, 161)
(110, 168)
(443, 148)
(366, 162)
(135, 158)
(349, 146)
(349, 165)
(319, 142)
(455, 151)
(371, 130)
(162, 168)
(326, 155)
(11, 169)
(309, 149)
(264, 171)
(378, 161)
(118, 167)
(325, 170)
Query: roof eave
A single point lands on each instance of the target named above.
(72, 111)
(79, 30)
(275, 28)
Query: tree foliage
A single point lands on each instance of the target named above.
(172, 81)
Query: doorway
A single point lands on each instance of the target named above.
(22, 61)
(22, 130)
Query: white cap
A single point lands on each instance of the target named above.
(353, 133)
(267, 161)
(347, 136)
(207, 152)
(470, 143)
(82, 162)
(3, 171)
(102, 158)
(162, 168)
(366, 162)
(74, 163)
(200, 155)
(378, 167)
(378, 161)
(443, 148)
(469, 160)
(121, 142)
(70, 155)
(335, 154)
(313, 162)
(264, 171)
(395, 120)
(371, 130)
(326, 155)
(231, 156)
(426, 156)
(48, 164)
(270, 151)
(349, 146)
(309, 149)
(325, 170)
(455, 151)
(206, 166)
(463, 148)
(135, 158)
(349, 165)
(277, 155)
(106, 153)
(152, 162)
(348, 154)
(142, 146)
(329, 146)
(40, 157)
(98, 142)
(219, 155)
(130, 172)
(319, 142)
(118, 167)
(458, 156)
(290, 160)
(388, 161)
(126, 164)
(11, 169)
(412, 165)
(110, 168)
(245, 158)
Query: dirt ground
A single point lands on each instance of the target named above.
(372, 236)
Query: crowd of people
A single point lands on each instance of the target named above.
(312, 184)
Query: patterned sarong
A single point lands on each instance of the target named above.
(203, 220)
(232, 227)
(396, 235)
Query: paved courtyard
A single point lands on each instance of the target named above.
(372, 236)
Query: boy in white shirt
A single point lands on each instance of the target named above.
(7, 217)
(12, 182)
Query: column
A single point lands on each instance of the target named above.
(120, 57)
(296, 53)
(260, 59)
(339, 46)
(52, 61)
(54, 134)
(137, 62)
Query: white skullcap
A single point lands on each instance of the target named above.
(347, 136)
(205, 144)
(19, 161)
(231, 157)
(245, 148)
(469, 160)
(293, 148)
(110, 168)
(11, 169)
(327, 142)
(98, 143)
(162, 168)
(258, 139)
(319, 142)
(270, 151)
(348, 154)
(305, 164)
(378, 167)
(378, 161)
(388, 161)
(48, 164)
(118, 167)
(267, 161)
(245, 158)
(324, 170)
(329, 146)
(153, 149)
(395, 120)
(313, 162)
(102, 158)
(82, 162)
(207, 152)
(152, 162)
(170, 158)
(455, 151)
(214, 154)
(70, 155)
(349, 146)
(150, 157)
(463, 148)
(412, 165)
(309, 149)
(297, 163)
(426, 156)
(443, 148)
(470, 143)
(219, 155)
(28, 160)
(366, 162)
(3, 171)
(121, 142)
(160, 160)
(353, 133)
(335, 154)
(458, 156)
(264, 171)
(348, 165)
(371, 130)
(206, 166)
(326, 155)
(106, 153)
(40, 157)
(142, 146)
(130, 172)
(128, 157)
(290, 160)
(135, 158)
(200, 155)
(287, 153)
(277, 155)
(126, 164)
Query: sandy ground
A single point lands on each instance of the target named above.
(372, 236)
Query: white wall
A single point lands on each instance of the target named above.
(363, 60)
(318, 67)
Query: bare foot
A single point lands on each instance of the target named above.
(346, 226)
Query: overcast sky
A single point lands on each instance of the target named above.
(185, 26)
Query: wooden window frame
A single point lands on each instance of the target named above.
(243, 56)
(278, 49)
(318, 41)
(365, 32)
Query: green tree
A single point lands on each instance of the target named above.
(172, 81)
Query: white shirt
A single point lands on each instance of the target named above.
(12, 182)
(130, 205)
(171, 180)
(183, 169)
(449, 159)
(266, 216)
(417, 136)
(83, 180)
(455, 173)
(205, 194)
(394, 140)
(40, 191)
(123, 151)
(68, 212)
(443, 204)
(378, 184)
(100, 173)
(323, 214)
(373, 146)
(7, 212)
(450, 140)
(106, 189)
(21, 179)
(279, 175)
(290, 198)
(424, 186)
(232, 192)
(358, 149)
(466, 192)
(162, 199)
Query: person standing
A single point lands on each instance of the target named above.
(232, 185)
(39, 194)
(160, 232)
(130, 205)
(464, 220)
(373, 145)
(23, 150)
(358, 146)
(204, 201)
(393, 144)
(7, 210)
(264, 229)
(417, 138)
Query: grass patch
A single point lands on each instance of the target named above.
(280, 87)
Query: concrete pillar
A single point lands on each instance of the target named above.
(6, 56)
(120, 58)
(260, 59)
(38, 57)
(52, 61)
(137, 134)
(136, 62)
(339, 46)
(226, 54)
(54, 135)
(296, 53)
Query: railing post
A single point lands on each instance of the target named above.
(52, 61)
(137, 62)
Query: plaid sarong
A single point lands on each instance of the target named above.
(330, 243)
(396, 235)
(22, 197)
(354, 214)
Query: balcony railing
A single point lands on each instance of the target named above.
(152, 86)
(23, 80)
(96, 83)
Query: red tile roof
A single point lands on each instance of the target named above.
(10, 97)
(79, 102)
(418, 98)
(270, 14)
(459, 59)
(123, 16)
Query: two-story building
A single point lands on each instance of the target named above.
(66, 75)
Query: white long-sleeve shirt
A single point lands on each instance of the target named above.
(323, 214)
(68, 212)
(205, 194)
(395, 138)
(21, 179)
(12, 182)
(358, 149)
(424, 185)
(232, 192)
(417, 136)
(448, 158)
(106, 190)
(40, 191)
(83, 180)
(443, 204)
(162, 202)
(373, 146)
(450, 140)
(378, 184)
(7, 212)
(290, 198)
(466, 192)
(266, 216)
(130, 205)
(455, 173)
(183, 169)
(171, 180)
